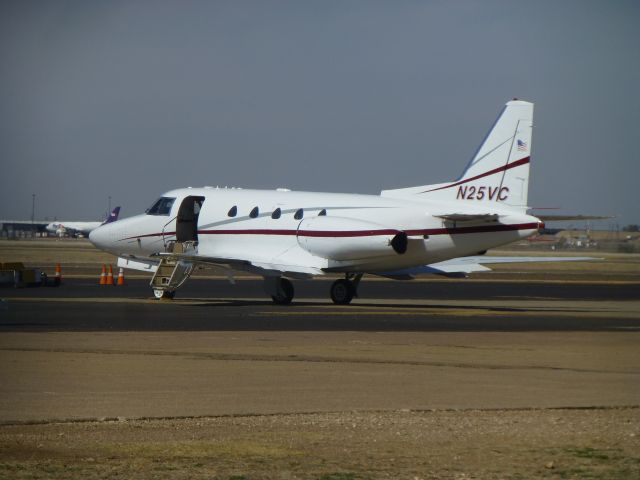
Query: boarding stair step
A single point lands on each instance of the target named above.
(170, 274)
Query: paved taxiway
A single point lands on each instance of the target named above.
(85, 351)
(82, 305)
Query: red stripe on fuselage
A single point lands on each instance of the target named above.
(359, 233)
(304, 233)
(372, 233)
(162, 234)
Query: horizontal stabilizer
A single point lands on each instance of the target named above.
(466, 217)
(560, 218)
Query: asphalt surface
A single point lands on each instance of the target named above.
(215, 304)
(82, 351)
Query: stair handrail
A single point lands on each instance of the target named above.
(163, 232)
(187, 267)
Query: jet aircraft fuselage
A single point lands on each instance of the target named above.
(312, 232)
(283, 234)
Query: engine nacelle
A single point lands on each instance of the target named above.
(341, 238)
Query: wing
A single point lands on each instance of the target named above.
(460, 267)
(258, 266)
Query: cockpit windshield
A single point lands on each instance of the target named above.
(161, 207)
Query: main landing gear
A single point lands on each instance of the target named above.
(280, 289)
(284, 295)
(343, 290)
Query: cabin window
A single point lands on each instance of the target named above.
(254, 213)
(299, 214)
(276, 213)
(162, 206)
(233, 211)
(323, 213)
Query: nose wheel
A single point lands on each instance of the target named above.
(163, 294)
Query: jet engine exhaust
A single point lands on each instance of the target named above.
(399, 243)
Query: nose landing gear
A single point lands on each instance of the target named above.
(161, 294)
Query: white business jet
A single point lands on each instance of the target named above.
(80, 228)
(282, 234)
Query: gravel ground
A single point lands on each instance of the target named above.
(474, 444)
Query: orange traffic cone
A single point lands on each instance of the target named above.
(109, 276)
(58, 278)
(121, 277)
(103, 275)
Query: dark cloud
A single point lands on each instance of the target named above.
(132, 98)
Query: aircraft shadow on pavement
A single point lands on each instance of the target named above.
(356, 308)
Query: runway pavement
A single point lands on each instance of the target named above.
(82, 305)
(84, 351)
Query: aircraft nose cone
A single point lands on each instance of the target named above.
(97, 237)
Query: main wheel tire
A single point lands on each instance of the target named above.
(285, 293)
(342, 292)
(163, 294)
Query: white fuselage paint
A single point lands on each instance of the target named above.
(353, 237)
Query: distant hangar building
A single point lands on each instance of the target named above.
(22, 228)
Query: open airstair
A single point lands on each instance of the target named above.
(172, 272)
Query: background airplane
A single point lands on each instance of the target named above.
(80, 228)
(282, 234)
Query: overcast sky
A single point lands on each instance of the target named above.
(132, 98)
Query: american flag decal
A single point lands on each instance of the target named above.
(522, 146)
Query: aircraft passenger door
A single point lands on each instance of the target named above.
(187, 219)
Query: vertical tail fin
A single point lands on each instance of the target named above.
(502, 161)
(113, 216)
(499, 170)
